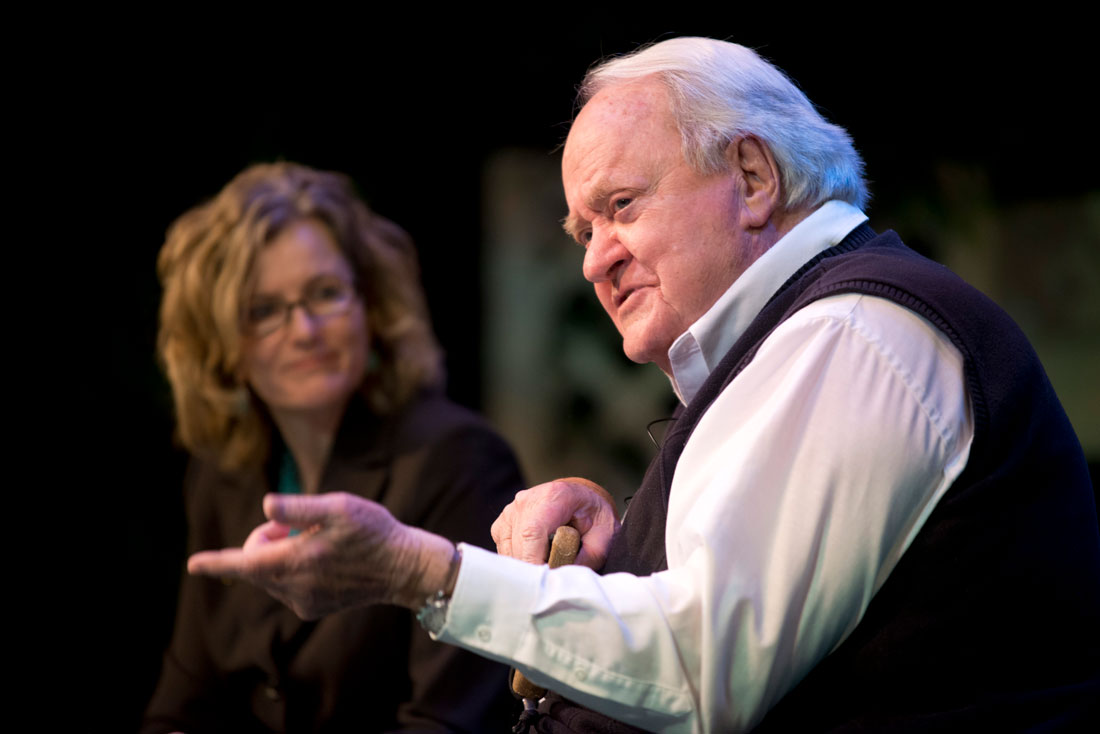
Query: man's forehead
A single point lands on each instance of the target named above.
(620, 106)
(623, 121)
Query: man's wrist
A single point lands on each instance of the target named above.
(432, 614)
(436, 570)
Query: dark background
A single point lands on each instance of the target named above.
(150, 124)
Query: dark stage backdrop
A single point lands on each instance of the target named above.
(963, 129)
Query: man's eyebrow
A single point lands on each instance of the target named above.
(571, 223)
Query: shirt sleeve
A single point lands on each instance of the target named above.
(794, 498)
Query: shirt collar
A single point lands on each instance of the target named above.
(699, 349)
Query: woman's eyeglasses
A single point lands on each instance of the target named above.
(322, 297)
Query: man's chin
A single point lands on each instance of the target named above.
(646, 353)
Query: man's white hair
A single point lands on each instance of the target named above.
(719, 91)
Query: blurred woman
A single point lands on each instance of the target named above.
(295, 336)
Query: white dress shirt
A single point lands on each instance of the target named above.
(797, 493)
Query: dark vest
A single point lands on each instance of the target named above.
(991, 619)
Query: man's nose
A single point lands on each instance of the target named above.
(604, 255)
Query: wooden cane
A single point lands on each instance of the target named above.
(563, 551)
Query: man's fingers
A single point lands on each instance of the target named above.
(533, 543)
(594, 515)
(589, 484)
(524, 528)
(269, 532)
(256, 563)
(594, 546)
(228, 562)
(501, 530)
(304, 511)
(532, 528)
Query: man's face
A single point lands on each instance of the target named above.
(662, 242)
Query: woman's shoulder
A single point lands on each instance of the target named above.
(451, 473)
(206, 473)
(216, 496)
(434, 414)
(430, 419)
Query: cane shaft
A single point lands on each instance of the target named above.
(563, 551)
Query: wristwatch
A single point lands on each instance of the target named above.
(433, 615)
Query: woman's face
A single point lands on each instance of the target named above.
(306, 362)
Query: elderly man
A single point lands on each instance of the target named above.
(871, 511)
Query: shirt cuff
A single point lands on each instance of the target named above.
(490, 607)
(500, 605)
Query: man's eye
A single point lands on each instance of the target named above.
(620, 204)
(585, 237)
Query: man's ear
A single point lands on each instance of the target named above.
(762, 189)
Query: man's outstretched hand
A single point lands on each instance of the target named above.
(349, 552)
(524, 527)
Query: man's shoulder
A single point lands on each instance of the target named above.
(885, 268)
(883, 257)
(874, 317)
(884, 265)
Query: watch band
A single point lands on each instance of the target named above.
(433, 614)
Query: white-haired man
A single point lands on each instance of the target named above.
(871, 511)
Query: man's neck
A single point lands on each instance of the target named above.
(757, 242)
(802, 233)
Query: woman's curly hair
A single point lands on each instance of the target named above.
(205, 268)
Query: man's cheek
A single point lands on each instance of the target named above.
(603, 293)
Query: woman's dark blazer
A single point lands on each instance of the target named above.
(239, 661)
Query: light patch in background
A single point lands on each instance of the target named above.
(557, 384)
